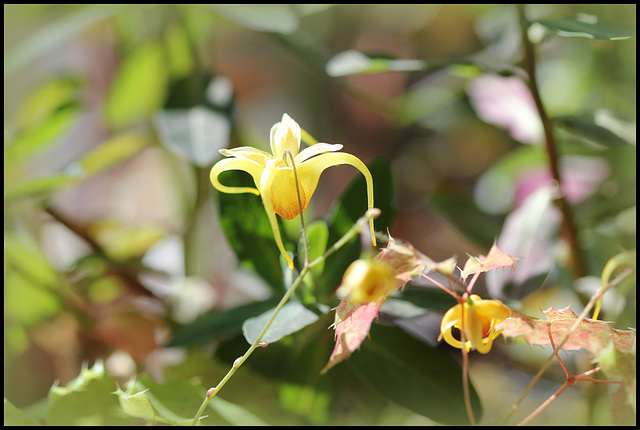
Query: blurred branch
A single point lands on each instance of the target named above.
(550, 147)
(82, 233)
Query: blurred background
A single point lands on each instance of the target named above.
(114, 114)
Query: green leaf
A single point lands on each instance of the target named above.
(43, 185)
(593, 127)
(219, 324)
(139, 87)
(349, 207)
(462, 212)
(248, 231)
(40, 137)
(279, 18)
(112, 151)
(416, 376)
(235, 414)
(317, 237)
(293, 316)
(590, 28)
(352, 62)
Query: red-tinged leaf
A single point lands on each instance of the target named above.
(594, 336)
(495, 259)
(405, 261)
(352, 325)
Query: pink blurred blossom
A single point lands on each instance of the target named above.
(507, 103)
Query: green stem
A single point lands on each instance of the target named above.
(307, 267)
(550, 147)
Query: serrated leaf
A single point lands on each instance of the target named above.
(495, 259)
(599, 30)
(352, 325)
(414, 375)
(293, 316)
(594, 336)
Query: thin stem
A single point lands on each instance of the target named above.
(565, 339)
(550, 146)
(307, 266)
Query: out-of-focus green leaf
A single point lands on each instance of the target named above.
(460, 209)
(279, 18)
(139, 87)
(248, 231)
(350, 206)
(113, 151)
(45, 101)
(593, 29)
(293, 316)
(122, 242)
(352, 62)
(417, 376)
(591, 127)
(25, 257)
(13, 416)
(235, 414)
(40, 137)
(42, 185)
(181, 61)
(220, 323)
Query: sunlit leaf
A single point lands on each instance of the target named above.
(122, 242)
(113, 151)
(496, 258)
(352, 325)
(353, 62)
(278, 18)
(293, 316)
(139, 87)
(591, 29)
(414, 375)
(592, 335)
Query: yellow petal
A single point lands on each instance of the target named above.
(309, 172)
(247, 153)
(266, 184)
(223, 165)
(317, 149)
(285, 135)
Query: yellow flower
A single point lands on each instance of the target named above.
(480, 319)
(367, 281)
(274, 174)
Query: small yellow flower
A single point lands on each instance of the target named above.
(480, 319)
(367, 281)
(274, 174)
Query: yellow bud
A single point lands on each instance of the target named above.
(367, 281)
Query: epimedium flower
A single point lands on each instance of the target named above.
(275, 174)
(480, 319)
(367, 281)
